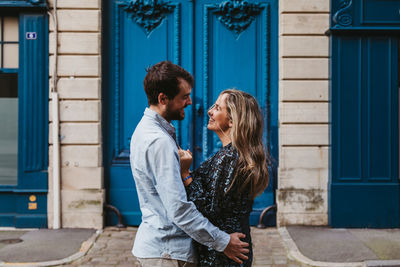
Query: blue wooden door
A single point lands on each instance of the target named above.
(364, 189)
(224, 44)
(136, 41)
(24, 115)
(235, 47)
(364, 183)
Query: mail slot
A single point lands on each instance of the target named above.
(381, 11)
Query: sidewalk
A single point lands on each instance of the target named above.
(43, 247)
(324, 246)
(291, 246)
(112, 247)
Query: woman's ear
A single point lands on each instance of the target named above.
(230, 124)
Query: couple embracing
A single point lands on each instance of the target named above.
(198, 218)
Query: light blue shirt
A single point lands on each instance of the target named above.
(169, 221)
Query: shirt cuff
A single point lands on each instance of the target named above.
(222, 241)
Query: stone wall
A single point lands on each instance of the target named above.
(79, 88)
(302, 195)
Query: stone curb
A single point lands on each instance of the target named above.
(382, 263)
(86, 245)
(294, 254)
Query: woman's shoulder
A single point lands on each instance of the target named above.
(225, 150)
(226, 154)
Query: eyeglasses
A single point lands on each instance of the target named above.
(211, 108)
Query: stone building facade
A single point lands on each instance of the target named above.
(303, 75)
(303, 113)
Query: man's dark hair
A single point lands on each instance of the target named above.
(163, 78)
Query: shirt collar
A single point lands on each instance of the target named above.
(163, 122)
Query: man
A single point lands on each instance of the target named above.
(169, 221)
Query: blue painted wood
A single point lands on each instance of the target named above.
(122, 194)
(364, 188)
(240, 55)
(23, 3)
(135, 45)
(365, 15)
(7, 220)
(221, 54)
(33, 129)
(10, 208)
(380, 11)
(31, 221)
(360, 205)
(33, 103)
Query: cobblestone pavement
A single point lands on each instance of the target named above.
(113, 248)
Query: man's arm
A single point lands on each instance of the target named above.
(164, 160)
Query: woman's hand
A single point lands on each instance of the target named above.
(186, 159)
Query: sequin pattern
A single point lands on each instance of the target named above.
(228, 210)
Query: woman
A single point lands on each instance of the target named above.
(224, 186)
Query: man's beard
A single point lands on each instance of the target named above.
(174, 115)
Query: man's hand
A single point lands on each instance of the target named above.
(236, 249)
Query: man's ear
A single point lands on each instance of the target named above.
(162, 98)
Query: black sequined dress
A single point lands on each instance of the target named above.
(228, 210)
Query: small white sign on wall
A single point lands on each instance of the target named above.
(31, 35)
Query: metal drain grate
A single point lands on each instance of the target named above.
(11, 241)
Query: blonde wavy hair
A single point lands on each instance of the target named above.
(246, 135)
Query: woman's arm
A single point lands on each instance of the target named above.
(185, 157)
